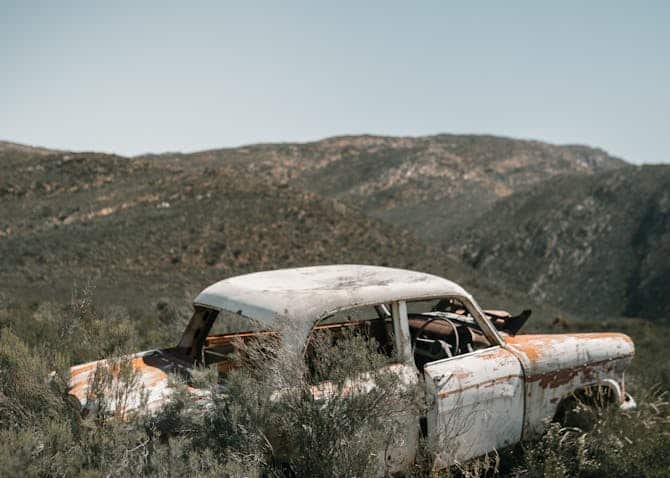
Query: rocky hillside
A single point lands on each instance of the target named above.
(143, 229)
(164, 225)
(597, 243)
(433, 185)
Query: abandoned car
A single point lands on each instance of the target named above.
(505, 386)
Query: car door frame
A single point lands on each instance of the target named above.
(486, 385)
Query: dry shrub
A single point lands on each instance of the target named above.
(312, 421)
(28, 389)
(608, 442)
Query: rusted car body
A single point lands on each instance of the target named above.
(486, 386)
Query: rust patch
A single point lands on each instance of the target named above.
(150, 375)
(531, 351)
(555, 379)
(79, 369)
(546, 339)
(561, 377)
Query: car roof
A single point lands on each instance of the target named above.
(307, 294)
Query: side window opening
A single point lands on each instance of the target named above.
(355, 340)
(442, 328)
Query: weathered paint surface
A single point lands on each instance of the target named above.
(557, 365)
(151, 387)
(478, 403)
(305, 294)
(294, 300)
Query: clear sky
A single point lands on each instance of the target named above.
(134, 77)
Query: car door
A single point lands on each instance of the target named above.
(476, 404)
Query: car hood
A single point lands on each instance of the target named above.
(556, 359)
(124, 384)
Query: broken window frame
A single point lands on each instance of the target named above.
(198, 330)
(478, 315)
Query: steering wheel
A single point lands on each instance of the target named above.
(433, 319)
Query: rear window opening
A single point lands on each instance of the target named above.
(362, 337)
(218, 338)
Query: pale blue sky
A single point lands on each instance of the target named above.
(185, 76)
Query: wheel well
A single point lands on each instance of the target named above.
(599, 395)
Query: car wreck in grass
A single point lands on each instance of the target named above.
(486, 387)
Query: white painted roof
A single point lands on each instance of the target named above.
(307, 294)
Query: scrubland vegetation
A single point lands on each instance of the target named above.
(586, 227)
(251, 430)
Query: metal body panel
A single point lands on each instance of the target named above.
(478, 404)
(150, 387)
(294, 300)
(557, 365)
(401, 329)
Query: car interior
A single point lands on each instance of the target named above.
(439, 329)
(442, 329)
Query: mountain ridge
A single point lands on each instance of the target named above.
(417, 202)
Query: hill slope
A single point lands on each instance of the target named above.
(597, 243)
(164, 225)
(143, 229)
